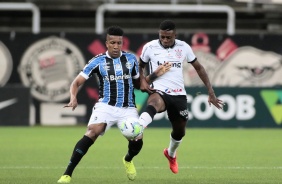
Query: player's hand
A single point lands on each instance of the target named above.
(145, 87)
(73, 103)
(215, 101)
(162, 69)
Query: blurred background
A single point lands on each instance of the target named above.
(252, 16)
(45, 43)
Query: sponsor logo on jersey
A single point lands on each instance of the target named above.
(114, 78)
(6, 64)
(49, 66)
(173, 90)
(175, 64)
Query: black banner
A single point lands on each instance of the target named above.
(15, 104)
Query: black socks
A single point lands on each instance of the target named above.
(151, 111)
(79, 151)
(134, 148)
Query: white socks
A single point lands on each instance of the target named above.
(145, 119)
(173, 145)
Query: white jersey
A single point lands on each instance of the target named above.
(155, 54)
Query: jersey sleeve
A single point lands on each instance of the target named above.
(190, 56)
(90, 68)
(145, 54)
(135, 69)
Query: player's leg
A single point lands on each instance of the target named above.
(134, 146)
(155, 104)
(81, 148)
(94, 129)
(178, 116)
(178, 132)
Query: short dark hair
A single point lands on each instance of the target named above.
(167, 25)
(115, 30)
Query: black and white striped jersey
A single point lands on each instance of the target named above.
(115, 78)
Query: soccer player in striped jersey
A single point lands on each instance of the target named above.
(118, 74)
(168, 91)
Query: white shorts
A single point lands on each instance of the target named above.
(104, 113)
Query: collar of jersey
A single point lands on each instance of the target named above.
(107, 54)
(167, 47)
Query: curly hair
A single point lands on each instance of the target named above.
(115, 30)
(167, 25)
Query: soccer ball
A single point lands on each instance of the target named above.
(130, 128)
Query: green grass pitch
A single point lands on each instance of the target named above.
(39, 155)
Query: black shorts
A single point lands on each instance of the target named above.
(176, 106)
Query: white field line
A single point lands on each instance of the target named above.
(192, 167)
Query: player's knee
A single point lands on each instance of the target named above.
(94, 131)
(92, 135)
(156, 101)
(178, 135)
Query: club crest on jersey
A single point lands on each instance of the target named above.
(128, 65)
(178, 53)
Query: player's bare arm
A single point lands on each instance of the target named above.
(77, 82)
(204, 77)
(136, 83)
(162, 69)
(144, 86)
(145, 81)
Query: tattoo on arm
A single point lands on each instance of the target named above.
(153, 77)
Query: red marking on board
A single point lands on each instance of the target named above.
(92, 93)
(47, 62)
(226, 49)
(200, 41)
(96, 47)
(126, 43)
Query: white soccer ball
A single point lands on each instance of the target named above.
(131, 128)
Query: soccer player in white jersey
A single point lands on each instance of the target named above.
(167, 92)
(118, 74)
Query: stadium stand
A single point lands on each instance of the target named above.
(261, 16)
